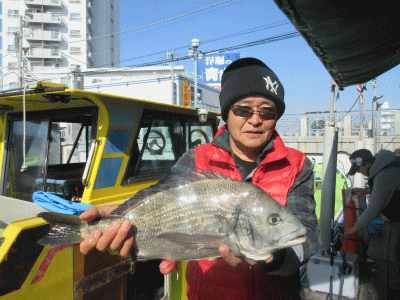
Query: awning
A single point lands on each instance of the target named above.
(355, 40)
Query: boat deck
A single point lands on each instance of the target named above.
(372, 284)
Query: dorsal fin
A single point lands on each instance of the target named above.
(188, 178)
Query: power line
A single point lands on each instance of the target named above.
(152, 24)
(154, 63)
(250, 44)
(252, 30)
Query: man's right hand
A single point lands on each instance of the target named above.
(118, 236)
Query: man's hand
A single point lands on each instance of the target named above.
(349, 231)
(167, 266)
(234, 260)
(358, 191)
(118, 236)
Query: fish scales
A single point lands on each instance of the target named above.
(191, 222)
(183, 210)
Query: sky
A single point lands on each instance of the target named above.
(305, 80)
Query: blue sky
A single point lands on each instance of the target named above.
(305, 80)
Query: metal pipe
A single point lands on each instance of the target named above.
(329, 177)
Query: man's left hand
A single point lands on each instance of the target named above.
(234, 260)
(349, 231)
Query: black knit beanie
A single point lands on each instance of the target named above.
(250, 77)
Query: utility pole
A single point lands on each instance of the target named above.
(18, 46)
(375, 106)
(171, 53)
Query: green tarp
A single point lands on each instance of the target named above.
(355, 40)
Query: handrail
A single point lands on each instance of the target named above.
(89, 162)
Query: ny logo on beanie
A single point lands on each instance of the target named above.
(271, 86)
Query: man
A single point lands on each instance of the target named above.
(383, 173)
(247, 148)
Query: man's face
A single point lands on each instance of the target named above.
(364, 169)
(249, 135)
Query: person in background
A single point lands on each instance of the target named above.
(397, 151)
(383, 172)
(246, 148)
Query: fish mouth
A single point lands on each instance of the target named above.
(294, 238)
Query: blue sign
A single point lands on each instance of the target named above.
(210, 69)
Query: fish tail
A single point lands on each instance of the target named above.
(65, 229)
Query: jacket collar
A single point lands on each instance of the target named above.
(274, 150)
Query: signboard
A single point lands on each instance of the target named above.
(199, 94)
(210, 69)
(186, 93)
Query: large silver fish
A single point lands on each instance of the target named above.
(192, 220)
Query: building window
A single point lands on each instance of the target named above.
(55, 52)
(12, 30)
(75, 34)
(75, 17)
(12, 13)
(75, 51)
(11, 48)
(56, 17)
(12, 65)
(13, 85)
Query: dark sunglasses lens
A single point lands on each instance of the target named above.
(247, 112)
(267, 114)
(242, 112)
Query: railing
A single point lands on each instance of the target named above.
(349, 124)
(43, 18)
(43, 53)
(43, 2)
(43, 35)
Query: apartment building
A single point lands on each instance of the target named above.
(44, 36)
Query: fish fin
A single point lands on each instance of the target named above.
(53, 218)
(62, 234)
(65, 229)
(195, 241)
(192, 176)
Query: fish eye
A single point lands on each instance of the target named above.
(274, 219)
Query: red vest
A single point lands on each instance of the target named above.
(217, 279)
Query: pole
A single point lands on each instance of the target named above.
(172, 76)
(361, 120)
(195, 78)
(373, 125)
(19, 49)
(329, 176)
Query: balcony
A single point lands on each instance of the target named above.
(44, 68)
(89, 40)
(89, 23)
(52, 3)
(43, 53)
(50, 18)
(40, 35)
(89, 56)
(89, 8)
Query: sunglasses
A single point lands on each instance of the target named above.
(246, 112)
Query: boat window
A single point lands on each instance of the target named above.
(56, 151)
(20, 182)
(199, 134)
(160, 141)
